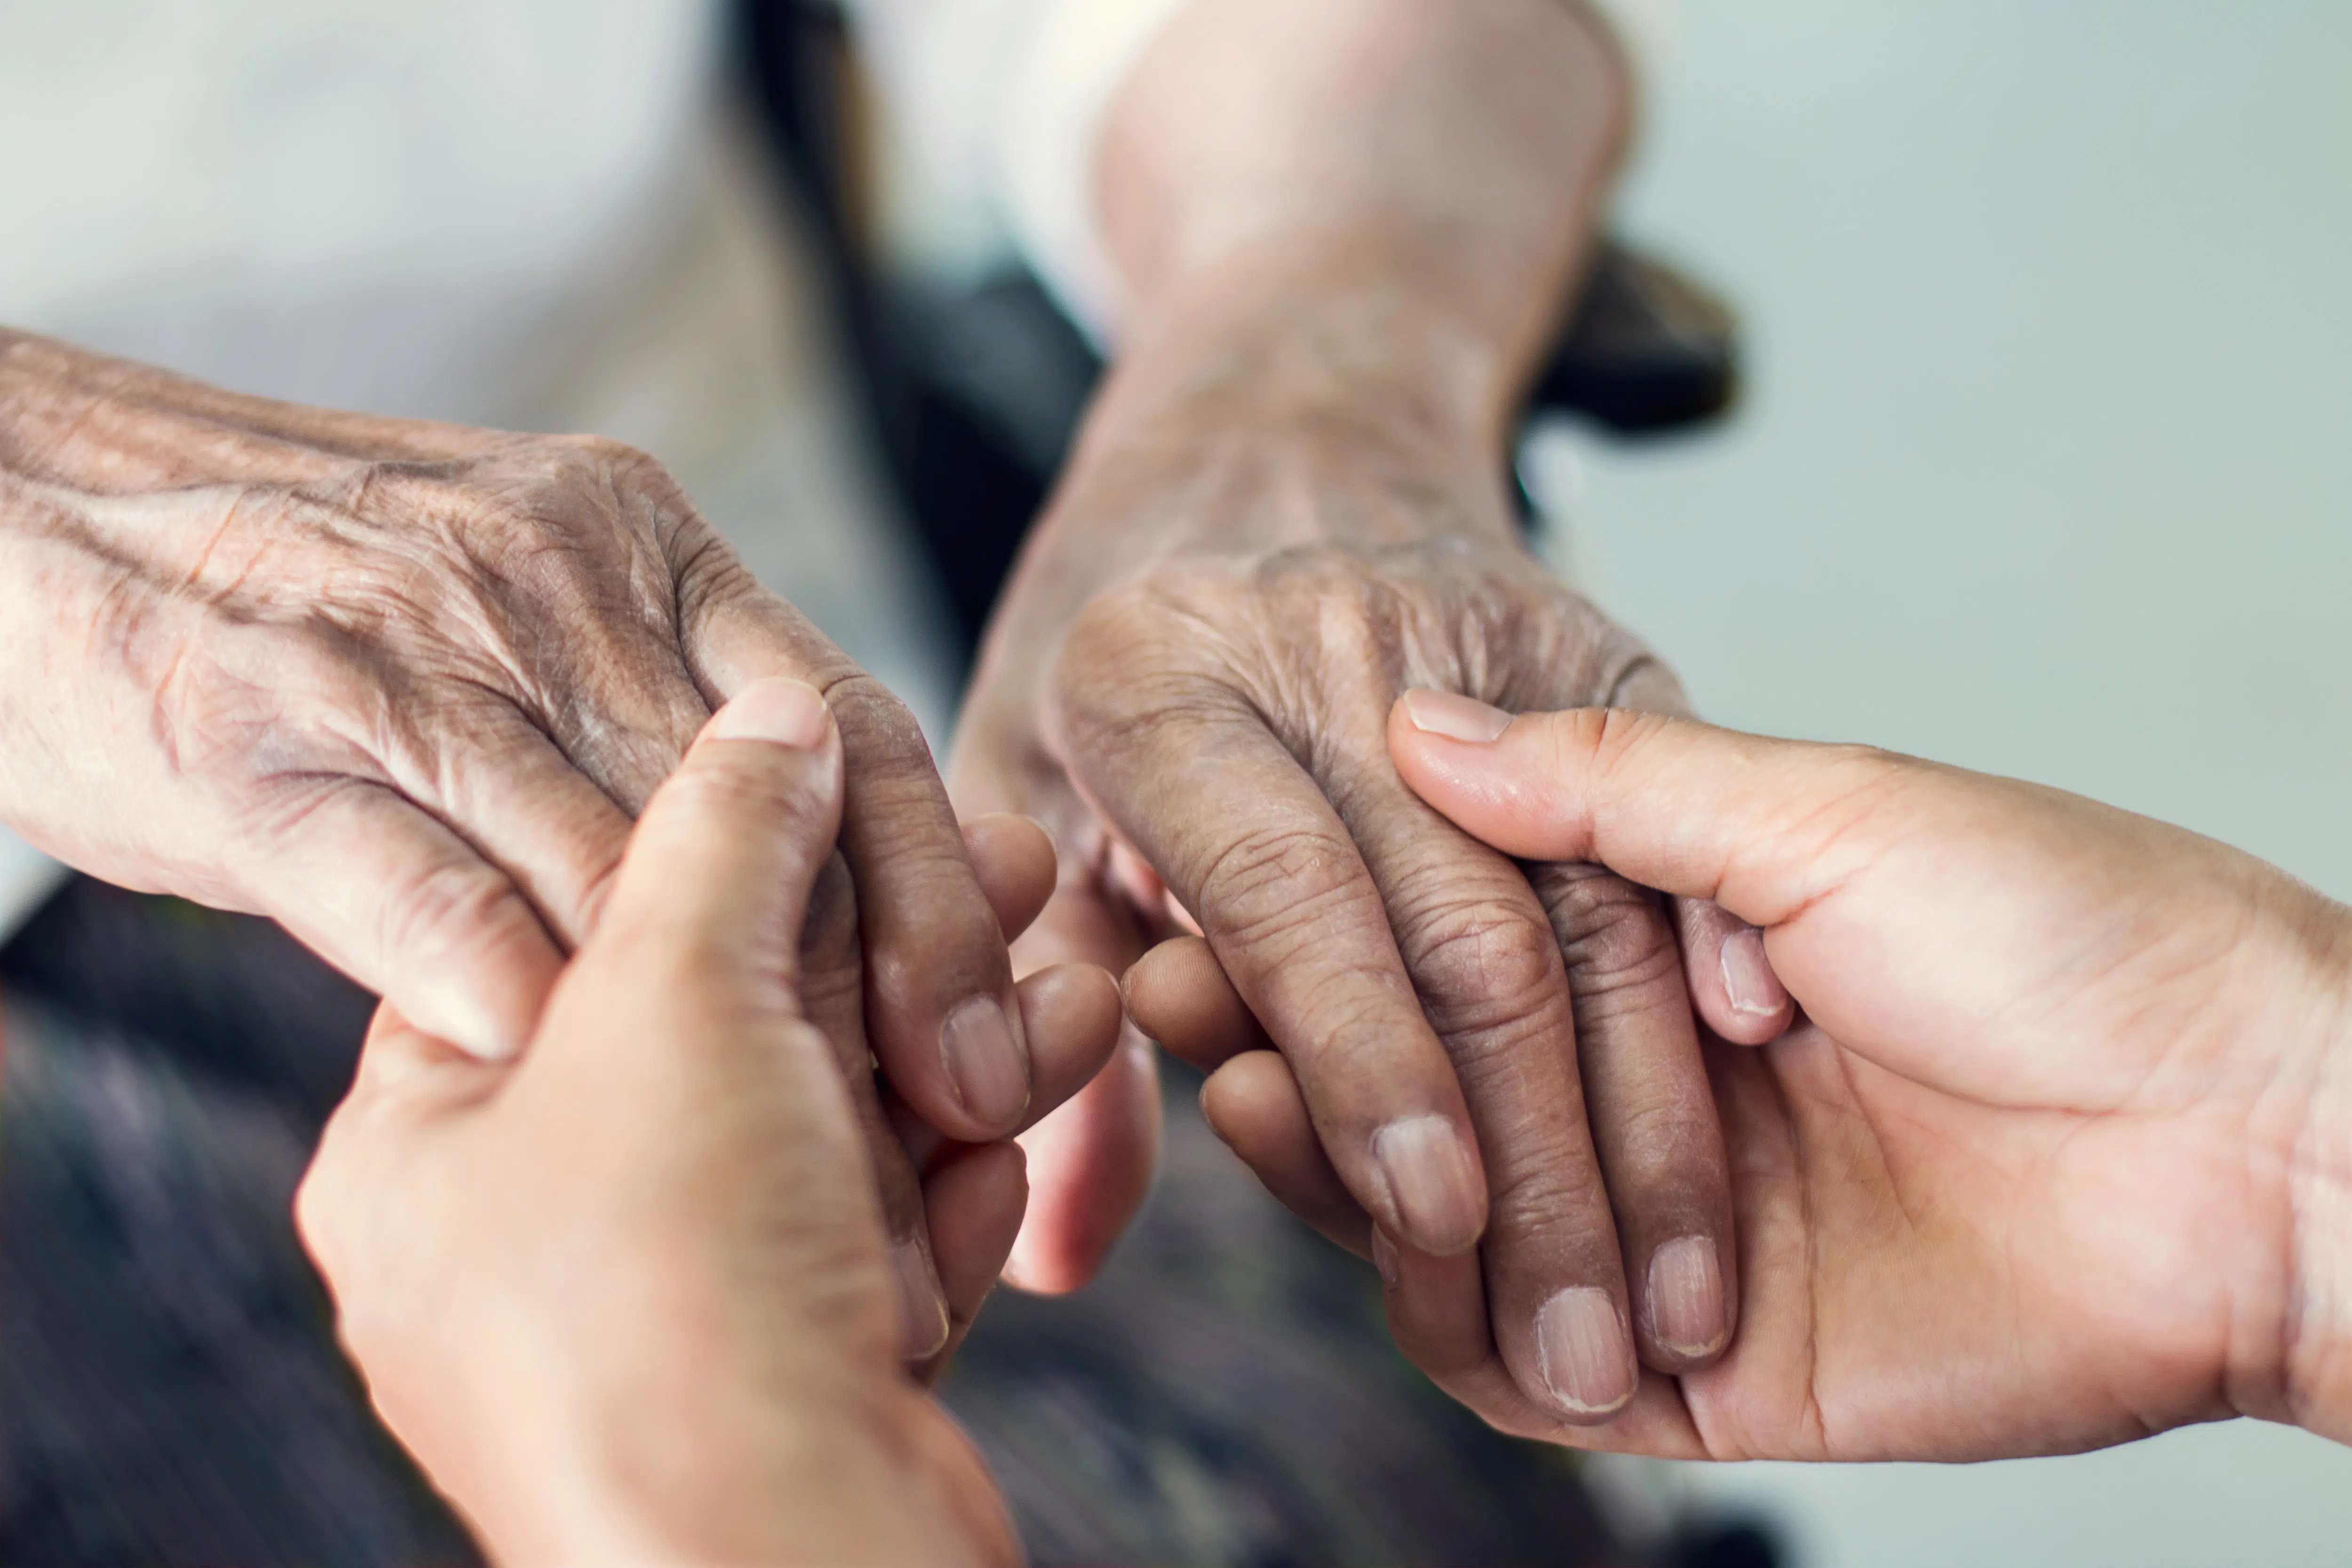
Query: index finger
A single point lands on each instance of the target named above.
(944, 1016)
(1252, 848)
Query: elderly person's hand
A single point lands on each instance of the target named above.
(403, 687)
(1213, 754)
(628, 1298)
(2061, 1154)
(1340, 233)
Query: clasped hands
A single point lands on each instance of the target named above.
(405, 686)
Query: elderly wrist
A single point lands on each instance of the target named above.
(1274, 413)
(1337, 328)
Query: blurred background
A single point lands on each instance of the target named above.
(2043, 465)
(2037, 463)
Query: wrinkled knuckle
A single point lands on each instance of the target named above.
(1557, 1215)
(880, 728)
(1131, 649)
(1612, 934)
(1664, 1137)
(1276, 880)
(1481, 963)
(707, 577)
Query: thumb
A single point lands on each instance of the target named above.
(720, 871)
(1762, 828)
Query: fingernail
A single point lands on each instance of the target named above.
(985, 1063)
(1384, 1257)
(781, 711)
(1433, 1184)
(1454, 717)
(1582, 1349)
(1747, 977)
(923, 1309)
(1687, 1298)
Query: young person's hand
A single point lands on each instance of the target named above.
(2060, 1155)
(634, 1296)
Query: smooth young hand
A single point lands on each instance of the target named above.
(634, 1295)
(2060, 1154)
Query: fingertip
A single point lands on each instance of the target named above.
(989, 1066)
(1179, 995)
(1072, 1015)
(1090, 1166)
(1452, 716)
(1733, 985)
(1012, 858)
(1584, 1356)
(1254, 1106)
(1686, 1304)
(1499, 777)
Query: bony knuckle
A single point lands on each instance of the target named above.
(1276, 877)
(1612, 934)
(881, 728)
(1481, 960)
(1548, 1206)
(604, 455)
(1136, 633)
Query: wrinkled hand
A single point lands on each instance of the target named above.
(2062, 1153)
(1204, 729)
(629, 1298)
(404, 687)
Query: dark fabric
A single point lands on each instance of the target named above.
(171, 1393)
(170, 1388)
(975, 390)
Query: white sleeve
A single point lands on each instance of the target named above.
(994, 113)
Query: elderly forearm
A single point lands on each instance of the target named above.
(1358, 200)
